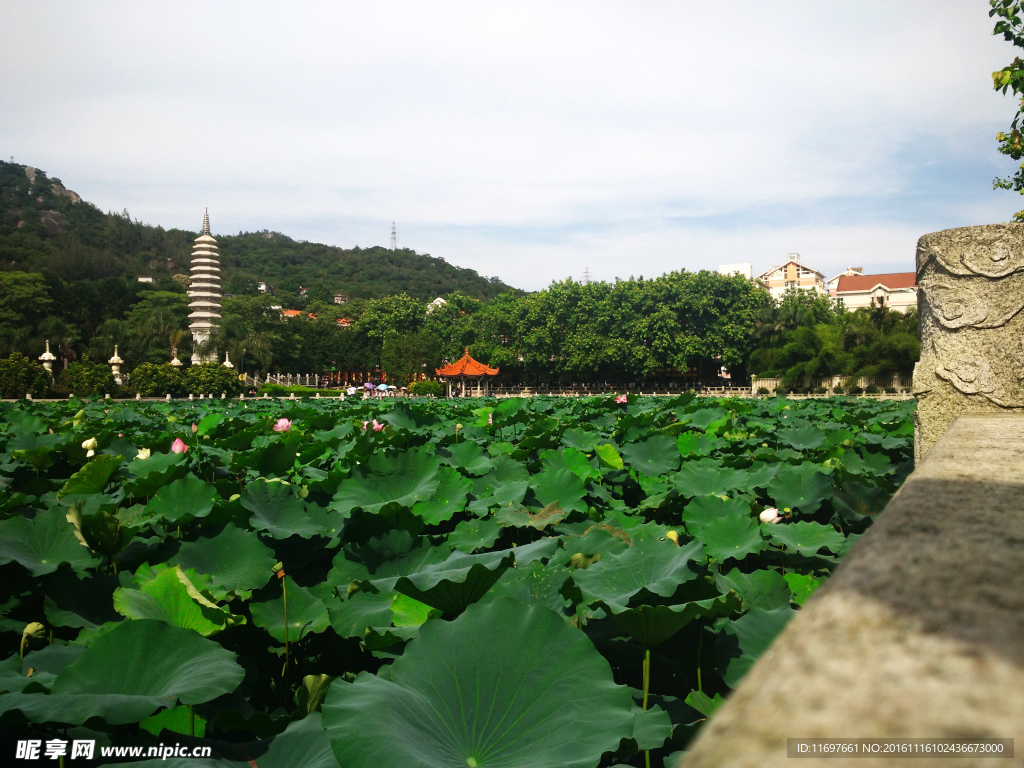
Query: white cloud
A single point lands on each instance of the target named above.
(498, 134)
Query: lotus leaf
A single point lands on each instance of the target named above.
(276, 510)
(93, 477)
(130, 672)
(172, 598)
(760, 589)
(404, 480)
(505, 684)
(184, 499)
(650, 566)
(807, 537)
(562, 488)
(654, 456)
(306, 614)
(449, 498)
(43, 543)
(753, 633)
(802, 487)
(452, 584)
(235, 560)
(471, 535)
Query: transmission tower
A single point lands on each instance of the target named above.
(394, 237)
(586, 276)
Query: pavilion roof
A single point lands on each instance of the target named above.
(466, 366)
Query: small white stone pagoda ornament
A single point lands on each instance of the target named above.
(115, 366)
(204, 292)
(47, 359)
(176, 362)
(227, 362)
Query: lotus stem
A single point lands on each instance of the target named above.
(192, 719)
(700, 647)
(647, 685)
(284, 587)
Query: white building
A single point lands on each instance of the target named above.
(792, 275)
(894, 290)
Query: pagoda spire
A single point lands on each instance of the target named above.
(206, 222)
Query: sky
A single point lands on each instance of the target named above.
(532, 141)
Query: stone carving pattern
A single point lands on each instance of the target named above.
(971, 302)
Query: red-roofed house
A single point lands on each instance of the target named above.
(897, 290)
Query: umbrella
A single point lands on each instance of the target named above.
(369, 385)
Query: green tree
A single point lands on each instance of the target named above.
(407, 355)
(1011, 77)
(211, 379)
(20, 376)
(87, 378)
(151, 380)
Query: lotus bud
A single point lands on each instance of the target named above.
(673, 536)
(195, 428)
(90, 446)
(178, 446)
(770, 515)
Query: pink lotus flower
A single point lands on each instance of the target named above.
(620, 399)
(283, 425)
(376, 426)
(178, 446)
(489, 419)
(770, 515)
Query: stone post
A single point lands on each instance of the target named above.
(971, 293)
(47, 359)
(115, 366)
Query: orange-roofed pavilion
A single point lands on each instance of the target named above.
(465, 368)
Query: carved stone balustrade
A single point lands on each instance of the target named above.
(970, 302)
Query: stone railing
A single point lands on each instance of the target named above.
(972, 326)
(897, 382)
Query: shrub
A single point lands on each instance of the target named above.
(427, 387)
(871, 390)
(20, 376)
(211, 379)
(87, 378)
(152, 380)
(837, 390)
(763, 391)
(856, 390)
(890, 390)
(821, 391)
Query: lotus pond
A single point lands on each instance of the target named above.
(523, 582)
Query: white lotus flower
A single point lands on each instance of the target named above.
(90, 446)
(143, 453)
(770, 515)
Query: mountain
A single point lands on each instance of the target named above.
(49, 229)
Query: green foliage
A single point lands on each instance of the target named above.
(211, 379)
(1011, 26)
(87, 378)
(407, 355)
(427, 388)
(573, 533)
(151, 380)
(20, 376)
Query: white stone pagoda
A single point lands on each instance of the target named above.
(204, 292)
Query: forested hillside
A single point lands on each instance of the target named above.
(46, 229)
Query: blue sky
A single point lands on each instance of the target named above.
(527, 140)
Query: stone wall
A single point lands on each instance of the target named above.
(972, 328)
